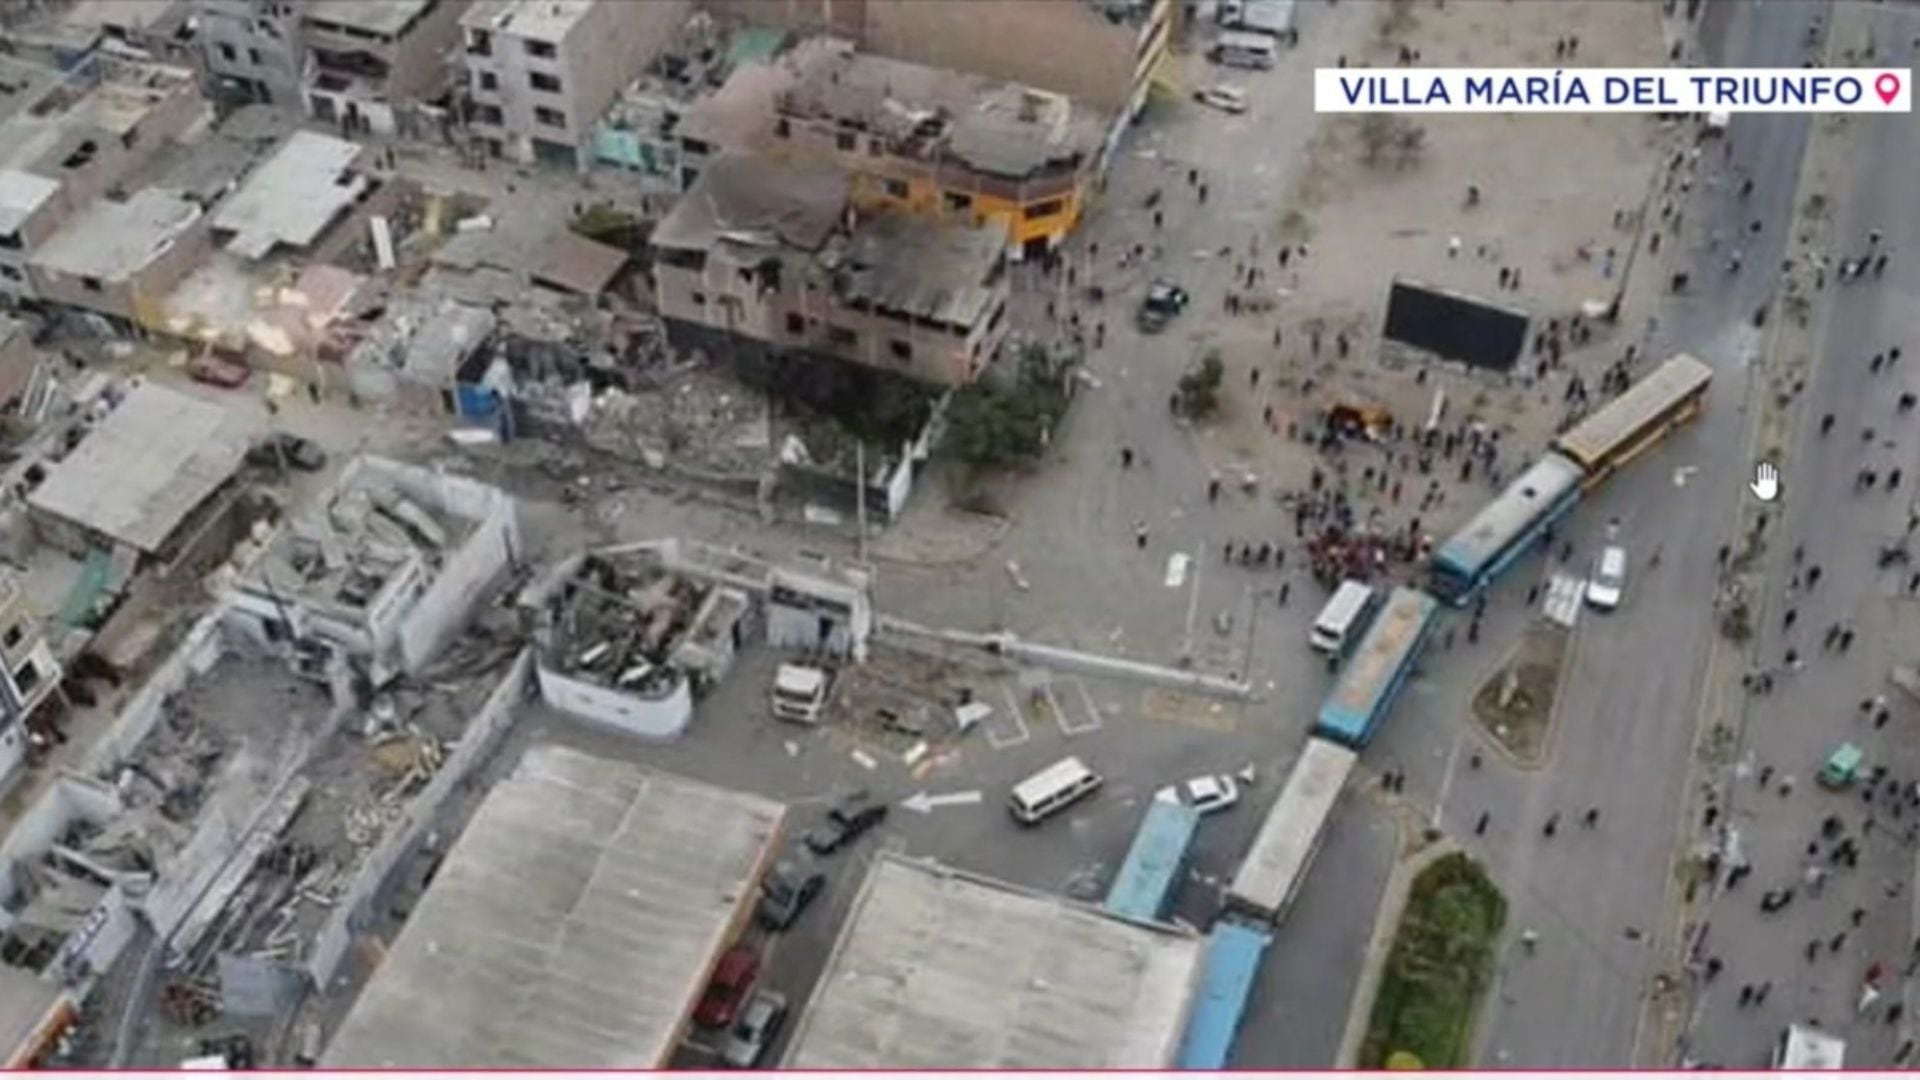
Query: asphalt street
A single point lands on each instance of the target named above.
(1626, 719)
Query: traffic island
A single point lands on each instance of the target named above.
(1440, 965)
(1516, 705)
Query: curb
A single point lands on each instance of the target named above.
(1385, 924)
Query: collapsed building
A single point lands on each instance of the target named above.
(626, 637)
(377, 576)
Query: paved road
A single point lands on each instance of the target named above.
(1627, 714)
(1792, 729)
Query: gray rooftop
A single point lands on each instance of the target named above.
(937, 969)
(293, 195)
(22, 193)
(145, 467)
(573, 924)
(541, 20)
(927, 269)
(25, 1001)
(115, 240)
(384, 17)
(757, 200)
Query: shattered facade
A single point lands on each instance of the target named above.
(380, 574)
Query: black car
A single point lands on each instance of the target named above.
(1163, 301)
(785, 893)
(287, 451)
(844, 825)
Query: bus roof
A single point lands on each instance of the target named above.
(1350, 711)
(1595, 439)
(1272, 867)
(1234, 951)
(1501, 521)
(1140, 889)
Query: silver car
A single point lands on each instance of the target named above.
(747, 1040)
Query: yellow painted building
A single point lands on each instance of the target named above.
(944, 144)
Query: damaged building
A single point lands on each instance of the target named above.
(627, 636)
(378, 575)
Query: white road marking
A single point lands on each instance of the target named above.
(1001, 742)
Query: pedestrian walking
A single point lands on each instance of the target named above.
(1126, 457)
(1792, 615)
(1591, 818)
(1140, 535)
(1552, 826)
(1858, 915)
(1480, 826)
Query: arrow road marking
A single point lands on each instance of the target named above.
(923, 803)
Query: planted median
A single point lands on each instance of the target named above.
(1440, 965)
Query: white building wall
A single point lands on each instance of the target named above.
(662, 718)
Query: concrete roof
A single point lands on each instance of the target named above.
(293, 196)
(387, 17)
(22, 193)
(937, 969)
(144, 468)
(574, 923)
(573, 263)
(757, 200)
(23, 85)
(114, 240)
(928, 269)
(541, 20)
(26, 1000)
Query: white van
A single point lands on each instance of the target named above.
(1340, 623)
(1051, 790)
(1236, 48)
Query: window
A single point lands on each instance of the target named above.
(842, 337)
(876, 147)
(959, 200)
(846, 140)
(10, 240)
(781, 128)
(12, 636)
(26, 678)
(900, 349)
(479, 43)
(487, 80)
(544, 82)
(91, 284)
(796, 323)
(553, 118)
(253, 57)
(1044, 209)
(10, 273)
(228, 53)
(895, 188)
(487, 114)
(541, 49)
(698, 297)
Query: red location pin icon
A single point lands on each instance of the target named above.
(1888, 87)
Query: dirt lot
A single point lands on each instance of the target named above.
(1529, 682)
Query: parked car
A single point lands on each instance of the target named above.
(217, 371)
(845, 823)
(750, 1035)
(1163, 301)
(1230, 99)
(1204, 793)
(785, 892)
(733, 979)
(291, 451)
(1609, 579)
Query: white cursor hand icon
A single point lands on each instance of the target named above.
(1766, 482)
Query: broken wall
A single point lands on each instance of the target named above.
(665, 717)
(356, 908)
(196, 655)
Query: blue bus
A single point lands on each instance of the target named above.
(1234, 952)
(1503, 529)
(1145, 886)
(1380, 666)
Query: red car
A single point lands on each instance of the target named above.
(733, 979)
(215, 371)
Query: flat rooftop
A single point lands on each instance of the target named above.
(749, 199)
(144, 468)
(541, 20)
(930, 270)
(21, 194)
(939, 969)
(387, 18)
(114, 240)
(573, 924)
(293, 196)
